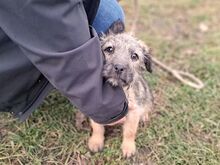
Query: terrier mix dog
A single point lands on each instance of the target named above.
(126, 61)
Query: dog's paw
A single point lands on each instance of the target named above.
(128, 149)
(96, 144)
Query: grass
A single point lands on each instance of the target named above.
(185, 128)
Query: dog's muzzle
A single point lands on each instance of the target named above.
(117, 74)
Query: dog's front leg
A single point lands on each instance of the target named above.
(96, 141)
(129, 133)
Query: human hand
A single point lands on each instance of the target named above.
(121, 121)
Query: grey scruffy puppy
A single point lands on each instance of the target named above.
(126, 61)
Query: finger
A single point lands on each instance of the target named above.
(117, 122)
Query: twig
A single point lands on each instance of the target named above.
(184, 77)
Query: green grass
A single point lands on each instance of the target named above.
(185, 128)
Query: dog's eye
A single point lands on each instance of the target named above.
(134, 56)
(109, 49)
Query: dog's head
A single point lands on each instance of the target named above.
(125, 58)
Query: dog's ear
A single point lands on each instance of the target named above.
(147, 52)
(116, 27)
(147, 59)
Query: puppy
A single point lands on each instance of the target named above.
(126, 61)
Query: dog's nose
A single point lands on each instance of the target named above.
(119, 68)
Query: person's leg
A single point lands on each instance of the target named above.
(109, 12)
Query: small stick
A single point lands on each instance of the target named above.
(179, 75)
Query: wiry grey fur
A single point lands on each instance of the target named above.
(126, 61)
(124, 46)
